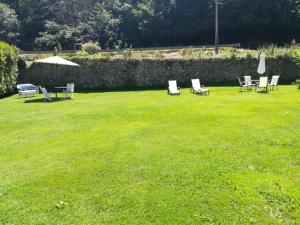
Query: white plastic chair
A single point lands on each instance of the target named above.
(69, 92)
(263, 84)
(243, 85)
(274, 82)
(248, 81)
(173, 89)
(46, 94)
(198, 88)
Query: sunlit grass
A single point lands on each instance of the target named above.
(148, 158)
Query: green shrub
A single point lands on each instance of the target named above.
(248, 55)
(275, 51)
(232, 55)
(8, 68)
(297, 83)
(81, 53)
(91, 48)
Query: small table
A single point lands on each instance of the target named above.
(59, 88)
(255, 82)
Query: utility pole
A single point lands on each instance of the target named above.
(216, 27)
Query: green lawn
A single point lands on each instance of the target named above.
(147, 158)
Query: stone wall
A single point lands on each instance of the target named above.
(154, 73)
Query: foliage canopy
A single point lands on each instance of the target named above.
(143, 23)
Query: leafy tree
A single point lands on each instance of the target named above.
(145, 23)
(103, 25)
(9, 24)
(59, 35)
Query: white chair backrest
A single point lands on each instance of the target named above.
(173, 86)
(196, 84)
(275, 80)
(44, 91)
(248, 80)
(263, 82)
(70, 87)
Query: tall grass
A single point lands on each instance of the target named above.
(275, 51)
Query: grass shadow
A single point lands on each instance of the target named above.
(42, 100)
(263, 92)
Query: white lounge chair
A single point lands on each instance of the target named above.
(27, 90)
(173, 89)
(243, 85)
(274, 82)
(197, 88)
(69, 92)
(46, 94)
(262, 85)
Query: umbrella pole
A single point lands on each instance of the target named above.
(56, 74)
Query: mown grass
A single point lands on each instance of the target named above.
(148, 158)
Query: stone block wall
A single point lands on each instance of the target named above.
(155, 73)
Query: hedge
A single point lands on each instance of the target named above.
(8, 68)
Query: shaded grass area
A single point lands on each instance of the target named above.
(143, 157)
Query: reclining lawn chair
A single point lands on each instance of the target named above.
(173, 89)
(274, 82)
(46, 94)
(199, 89)
(262, 85)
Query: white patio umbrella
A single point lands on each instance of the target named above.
(262, 64)
(56, 60)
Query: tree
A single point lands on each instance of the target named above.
(104, 25)
(145, 23)
(9, 24)
(59, 35)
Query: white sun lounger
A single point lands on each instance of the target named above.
(197, 88)
(173, 89)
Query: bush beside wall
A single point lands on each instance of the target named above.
(8, 68)
(154, 73)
